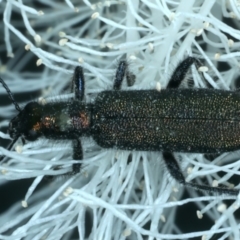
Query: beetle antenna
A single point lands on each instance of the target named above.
(10, 95)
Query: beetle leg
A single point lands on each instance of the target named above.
(130, 78)
(78, 83)
(181, 71)
(119, 76)
(121, 71)
(176, 173)
(77, 155)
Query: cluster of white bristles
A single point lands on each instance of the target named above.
(136, 199)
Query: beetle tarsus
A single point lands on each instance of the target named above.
(180, 72)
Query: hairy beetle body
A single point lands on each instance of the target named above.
(172, 120)
(175, 120)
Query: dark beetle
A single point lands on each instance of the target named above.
(173, 120)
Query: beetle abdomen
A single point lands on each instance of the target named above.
(182, 120)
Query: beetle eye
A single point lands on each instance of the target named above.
(32, 135)
(13, 127)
